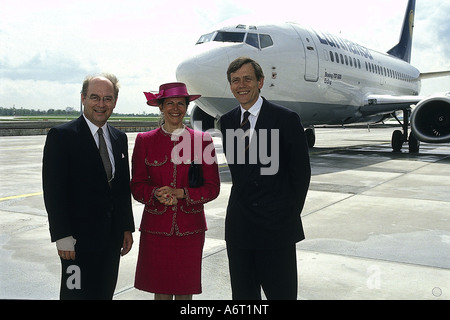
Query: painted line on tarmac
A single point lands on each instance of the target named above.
(26, 195)
(21, 196)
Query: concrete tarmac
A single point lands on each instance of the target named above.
(376, 223)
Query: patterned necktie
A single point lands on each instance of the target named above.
(103, 149)
(245, 125)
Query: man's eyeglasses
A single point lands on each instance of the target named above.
(106, 100)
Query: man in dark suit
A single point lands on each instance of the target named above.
(87, 194)
(270, 175)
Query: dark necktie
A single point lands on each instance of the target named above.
(245, 125)
(103, 149)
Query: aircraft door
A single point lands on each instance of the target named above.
(311, 56)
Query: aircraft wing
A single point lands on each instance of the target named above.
(382, 104)
(431, 75)
(375, 104)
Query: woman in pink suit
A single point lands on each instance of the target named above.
(173, 223)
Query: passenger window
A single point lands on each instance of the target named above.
(331, 56)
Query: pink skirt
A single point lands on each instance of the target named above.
(170, 264)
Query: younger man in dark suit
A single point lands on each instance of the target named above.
(87, 194)
(263, 222)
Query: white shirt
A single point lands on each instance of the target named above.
(94, 132)
(254, 113)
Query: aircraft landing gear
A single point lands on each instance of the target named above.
(397, 140)
(413, 144)
(399, 137)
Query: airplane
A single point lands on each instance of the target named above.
(326, 79)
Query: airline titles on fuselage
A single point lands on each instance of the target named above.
(340, 43)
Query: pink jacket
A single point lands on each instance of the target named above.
(159, 161)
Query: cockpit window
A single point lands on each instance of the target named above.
(265, 40)
(259, 41)
(252, 39)
(229, 36)
(222, 36)
(206, 38)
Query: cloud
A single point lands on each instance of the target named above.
(431, 37)
(438, 24)
(45, 67)
(43, 95)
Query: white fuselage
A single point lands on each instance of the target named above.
(324, 78)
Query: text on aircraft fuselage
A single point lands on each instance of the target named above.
(347, 45)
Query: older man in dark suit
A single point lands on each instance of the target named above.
(87, 194)
(270, 171)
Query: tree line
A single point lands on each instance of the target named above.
(69, 111)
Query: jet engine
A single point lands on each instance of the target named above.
(200, 120)
(430, 120)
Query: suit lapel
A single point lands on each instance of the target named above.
(247, 170)
(91, 151)
(87, 138)
(265, 117)
(117, 152)
(237, 118)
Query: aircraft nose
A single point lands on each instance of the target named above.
(205, 72)
(186, 70)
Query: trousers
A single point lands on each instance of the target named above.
(92, 275)
(272, 270)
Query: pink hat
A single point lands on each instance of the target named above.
(169, 90)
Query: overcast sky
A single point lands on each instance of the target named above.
(47, 47)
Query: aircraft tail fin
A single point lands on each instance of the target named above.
(403, 49)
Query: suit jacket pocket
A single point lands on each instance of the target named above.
(151, 162)
(157, 219)
(158, 209)
(192, 209)
(191, 219)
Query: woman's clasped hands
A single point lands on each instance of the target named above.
(166, 195)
